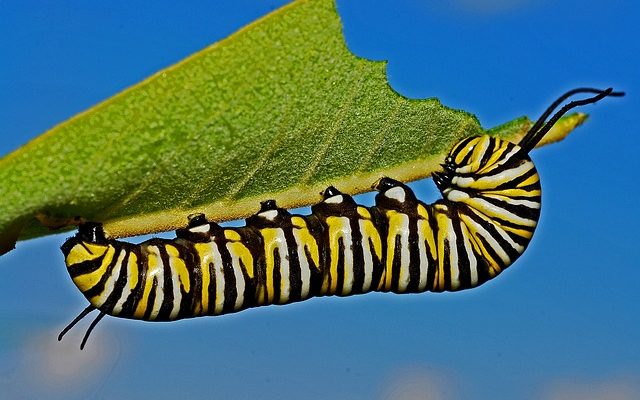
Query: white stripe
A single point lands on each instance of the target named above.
(489, 238)
(506, 199)
(153, 251)
(405, 276)
(270, 214)
(367, 256)
(423, 226)
(218, 271)
(177, 294)
(240, 283)
(508, 175)
(396, 193)
(201, 228)
(285, 269)
(495, 179)
(454, 262)
(347, 241)
(473, 260)
(305, 272)
(111, 280)
(117, 309)
(479, 204)
(334, 199)
(506, 157)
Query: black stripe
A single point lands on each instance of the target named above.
(464, 263)
(277, 276)
(446, 267)
(378, 267)
(254, 243)
(488, 248)
(382, 226)
(151, 301)
(98, 288)
(167, 298)
(230, 289)
(340, 268)
(85, 267)
(414, 254)
(504, 222)
(295, 274)
(482, 267)
(490, 227)
(491, 148)
(513, 183)
(212, 283)
(461, 146)
(249, 286)
(396, 263)
(318, 231)
(193, 297)
(433, 261)
(519, 210)
(129, 306)
(118, 286)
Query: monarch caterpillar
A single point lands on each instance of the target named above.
(488, 214)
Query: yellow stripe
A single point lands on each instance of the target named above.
(529, 181)
(232, 235)
(502, 149)
(370, 233)
(478, 244)
(132, 270)
(178, 266)
(444, 225)
(425, 231)
(482, 146)
(394, 219)
(85, 252)
(87, 281)
(336, 231)
(520, 232)
(461, 152)
(241, 252)
(306, 239)
(514, 192)
(206, 258)
(152, 268)
(270, 244)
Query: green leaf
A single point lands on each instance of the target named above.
(281, 109)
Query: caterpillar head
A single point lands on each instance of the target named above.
(481, 164)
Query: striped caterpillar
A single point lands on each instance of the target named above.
(488, 214)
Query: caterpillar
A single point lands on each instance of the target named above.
(484, 222)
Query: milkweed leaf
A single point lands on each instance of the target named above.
(280, 109)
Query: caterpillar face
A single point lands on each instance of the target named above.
(488, 173)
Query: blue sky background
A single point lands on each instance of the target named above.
(563, 323)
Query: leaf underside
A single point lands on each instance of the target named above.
(279, 110)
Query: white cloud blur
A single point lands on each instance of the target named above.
(44, 367)
(615, 388)
(416, 383)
